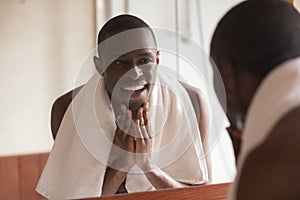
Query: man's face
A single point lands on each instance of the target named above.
(230, 101)
(129, 79)
(240, 86)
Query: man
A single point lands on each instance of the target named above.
(148, 151)
(256, 47)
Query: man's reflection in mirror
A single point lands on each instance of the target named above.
(131, 127)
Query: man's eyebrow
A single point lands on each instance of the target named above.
(146, 54)
(139, 55)
(116, 56)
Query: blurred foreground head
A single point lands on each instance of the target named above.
(253, 38)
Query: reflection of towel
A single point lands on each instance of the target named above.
(77, 162)
(278, 94)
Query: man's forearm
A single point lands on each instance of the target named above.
(161, 180)
(112, 181)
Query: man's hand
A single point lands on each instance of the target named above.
(123, 141)
(158, 178)
(122, 156)
(132, 138)
(135, 138)
(144, 138)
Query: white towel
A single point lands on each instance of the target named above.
(77, 163)
(278, 94)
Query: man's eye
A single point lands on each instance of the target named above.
(119, 62)
(145, 60)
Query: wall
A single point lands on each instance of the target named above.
(202, 15)
(42, 45)
(297, 4)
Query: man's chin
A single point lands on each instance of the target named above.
(134, 105)
(137, 102)
(131, 101)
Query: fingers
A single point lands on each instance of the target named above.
(144, 132)
(130, 142)
(124, 121)
(144, 121)
(127, 123)
(140, 141)
(142, 126)
(149, 131)
(146, 113)
(120, 124)
(121, 119)
(127, 117)
(139, 132)
(143, 142)
(136, 129)
(122, 138)
(146, 117)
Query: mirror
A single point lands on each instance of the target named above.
(45, 45)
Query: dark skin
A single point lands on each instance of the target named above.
(240, 86)
(246, 49)
(278, 178)
(265, 173)
(139, 114)
(123, 75)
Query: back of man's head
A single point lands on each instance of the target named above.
(257, 35)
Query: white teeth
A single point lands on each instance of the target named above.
(133, 88)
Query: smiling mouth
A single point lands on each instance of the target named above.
(134, 88)
(137, 90)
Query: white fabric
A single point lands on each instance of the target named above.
(277, 95)
(77, 163)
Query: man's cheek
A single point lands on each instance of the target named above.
(149, 74)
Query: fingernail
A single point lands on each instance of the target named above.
(129, 112)
(123, 107)
(147, 105)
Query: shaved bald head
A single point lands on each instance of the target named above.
(257, 35)
(252, 39)
(119, 24)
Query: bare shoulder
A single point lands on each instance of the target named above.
(201, 108)
(196, 95)
(271, 171)
(193, 90)
(59, 108)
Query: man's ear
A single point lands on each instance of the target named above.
(229, 74)
(97, 62)
(157, 57)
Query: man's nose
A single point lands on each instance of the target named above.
(135, 72)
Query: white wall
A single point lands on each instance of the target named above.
(297, 4)
(42, 45)
(202, 15)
